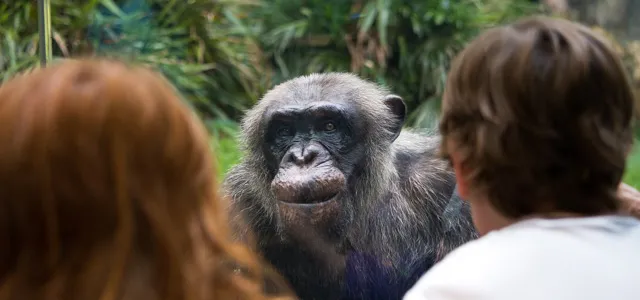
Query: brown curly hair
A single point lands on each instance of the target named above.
(107, 191)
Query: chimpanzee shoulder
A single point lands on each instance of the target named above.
(417, 160)
(423, 174)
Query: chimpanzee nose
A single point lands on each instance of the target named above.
(302, 156)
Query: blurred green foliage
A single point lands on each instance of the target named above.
(632, 174)
(194, 43)
(223, 54)
(406, 45)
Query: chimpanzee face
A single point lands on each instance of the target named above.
(313, 132)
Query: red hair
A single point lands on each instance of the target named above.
(107, 191)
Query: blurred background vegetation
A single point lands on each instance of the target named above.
(223, 55)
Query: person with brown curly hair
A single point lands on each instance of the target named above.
(107, 191)
(537, 123)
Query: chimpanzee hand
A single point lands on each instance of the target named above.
(630, 199)
(318, 245)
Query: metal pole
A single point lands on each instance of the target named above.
(44, 28)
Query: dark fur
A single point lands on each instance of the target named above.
(399, 208)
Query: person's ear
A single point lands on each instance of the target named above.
(463, 186)
(460, 172)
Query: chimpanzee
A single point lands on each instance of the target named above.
(342, 201)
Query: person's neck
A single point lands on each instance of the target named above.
(504, 222)
(489, 219)
(552, 215)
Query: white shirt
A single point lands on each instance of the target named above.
(543, 259)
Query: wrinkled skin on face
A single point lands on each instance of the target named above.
(312, 150)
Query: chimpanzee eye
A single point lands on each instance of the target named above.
(329, 126)
(284, 131)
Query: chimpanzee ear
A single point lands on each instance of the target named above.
(399, 110)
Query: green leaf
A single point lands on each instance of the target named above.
(113, 8)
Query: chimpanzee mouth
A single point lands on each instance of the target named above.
(319, 213)
(307, 202)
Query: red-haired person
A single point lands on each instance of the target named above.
(108, 191)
